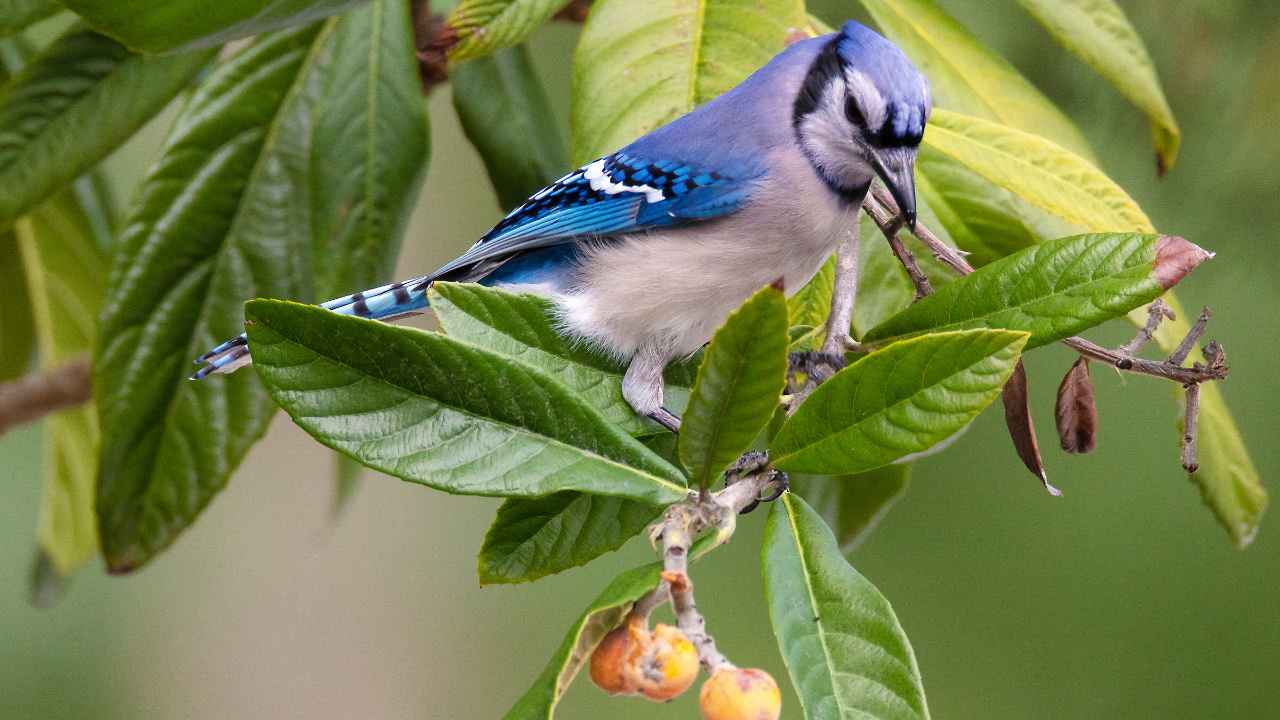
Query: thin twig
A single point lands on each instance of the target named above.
(1190, 458)
(944, 253)
(1128, 363)
(890, 225)
(1157, 312)
(1179, 355)
(33, 396)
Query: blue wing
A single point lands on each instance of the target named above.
(619, 193)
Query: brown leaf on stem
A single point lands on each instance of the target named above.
(1075, 412)
(1017, 416)
(1175, 257)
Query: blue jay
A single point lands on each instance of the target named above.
(645, 252)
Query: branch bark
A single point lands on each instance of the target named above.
(33, 396)
(675, 533)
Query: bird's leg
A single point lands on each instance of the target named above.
(840, 319)
(642, 386)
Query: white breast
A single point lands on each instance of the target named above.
(671, 289)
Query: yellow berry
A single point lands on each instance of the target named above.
(611, 658)
(740, 694)
(667, 666)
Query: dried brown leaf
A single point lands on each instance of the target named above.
(1075, 412)
(1017, 416)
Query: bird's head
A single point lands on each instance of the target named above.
(861, 113)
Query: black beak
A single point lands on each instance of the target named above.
(896, 168)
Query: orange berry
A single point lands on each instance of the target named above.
(667, 666)
(611, 658)
(740, 694)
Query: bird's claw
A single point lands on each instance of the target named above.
(749, 463)
(816, 364)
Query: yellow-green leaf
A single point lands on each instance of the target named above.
(641, 65)
(1099, 32)
(57, 245)
(1035, 169)
(966, 76)
(483, 26)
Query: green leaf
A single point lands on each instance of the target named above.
(602, 615)
(156, 27)
(965, 76)
(483, 26)
(1100, 34)
(369, 152)
(223, 216)
(523, 327)
(847, 654)
(73, 104)
(15, 15)
(987, 221)
(812, 303)
(1053, 290)
(57, 244)
(896, 402)
(1034, 169)
(429, 409)
(17, 333)
(853, 505)
(369, 157)
(507, 116)
(742, 375)
(641, 65)
(535, 537)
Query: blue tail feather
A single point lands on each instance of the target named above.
(386, 302)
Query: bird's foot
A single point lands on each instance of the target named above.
(816, 365)
(666, 419)
(752, 462)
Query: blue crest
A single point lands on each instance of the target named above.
(904, 89)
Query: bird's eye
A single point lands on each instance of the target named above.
(853, 112)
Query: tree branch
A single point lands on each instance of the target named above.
(675, 533)
(33, 396)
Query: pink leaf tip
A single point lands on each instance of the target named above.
(1175, 257)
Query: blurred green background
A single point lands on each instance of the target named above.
(1122, 599)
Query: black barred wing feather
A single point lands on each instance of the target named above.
(617, 194)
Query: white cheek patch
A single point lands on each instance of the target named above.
(826, 136)
(870, 101)
(600, 182)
